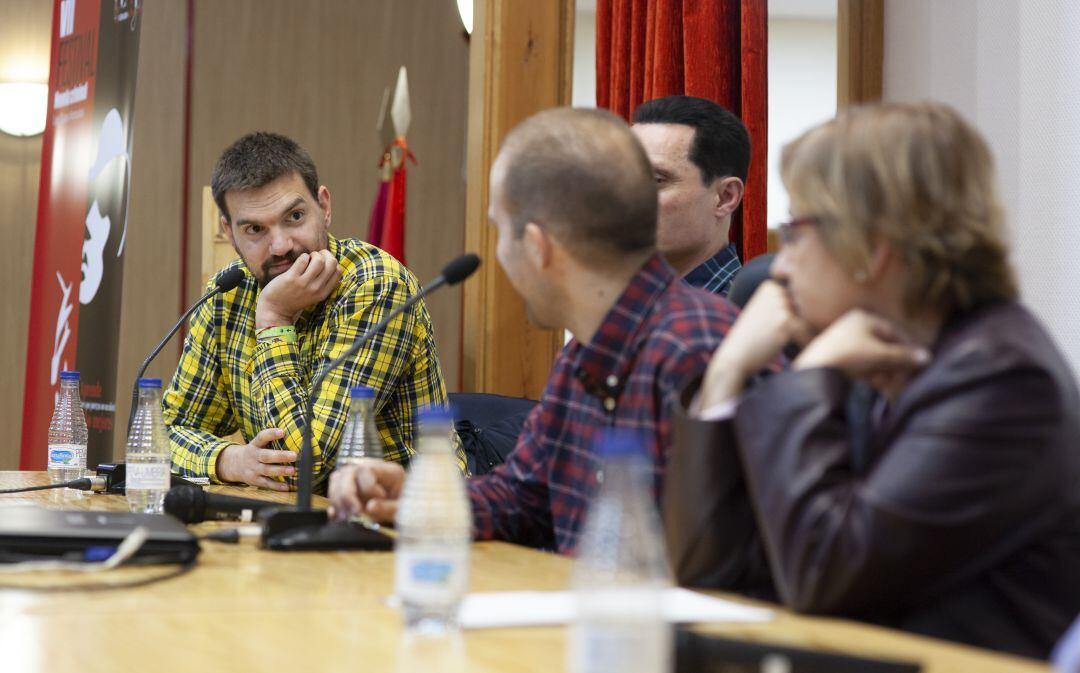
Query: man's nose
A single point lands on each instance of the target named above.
(280, 242)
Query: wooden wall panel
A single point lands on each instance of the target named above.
(316, 71)
(24, 56)
(521, 63)
(151, 294)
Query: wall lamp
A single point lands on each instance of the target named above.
(465, 10)
(23, 106)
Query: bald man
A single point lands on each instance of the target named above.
(574, 203)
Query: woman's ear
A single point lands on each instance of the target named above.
(881, 256)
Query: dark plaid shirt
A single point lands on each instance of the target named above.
(659, 334)
(716, 273)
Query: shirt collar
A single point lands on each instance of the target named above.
(333, 245)
(603, 364)
(715, 274)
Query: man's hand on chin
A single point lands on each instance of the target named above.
(311, 279)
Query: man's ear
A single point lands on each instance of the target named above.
(324, 202)
(729, 194)
(539, 247)
(226, 229)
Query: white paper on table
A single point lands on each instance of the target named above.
(554, 608)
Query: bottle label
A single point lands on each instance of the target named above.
(431, 574)
(614, 646)
(63, 455)
(147, 476)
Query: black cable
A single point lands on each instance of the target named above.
(225, 535)
(84, 484)
(104, 586)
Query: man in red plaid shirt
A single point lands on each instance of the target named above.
(574, 201)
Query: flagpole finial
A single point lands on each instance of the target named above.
(384, 126)
(401, 108)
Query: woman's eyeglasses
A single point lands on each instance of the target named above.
(787, 231)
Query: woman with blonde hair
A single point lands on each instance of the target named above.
(918, 464)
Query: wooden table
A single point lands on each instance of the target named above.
(244, 609)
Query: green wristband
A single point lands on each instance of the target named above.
(286, 333)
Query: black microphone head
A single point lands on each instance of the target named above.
(187, 503)
(461, 268)
(230, 279)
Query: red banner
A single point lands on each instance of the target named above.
(82, 219)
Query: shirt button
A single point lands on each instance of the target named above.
(609, 403)
(612, 381)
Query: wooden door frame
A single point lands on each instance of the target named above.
(520, 62)
(860, 51)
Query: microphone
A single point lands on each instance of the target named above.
(227, 281)
(191, 504)
(291, 530)
(456, 271)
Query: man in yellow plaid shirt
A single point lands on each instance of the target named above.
(252, 353)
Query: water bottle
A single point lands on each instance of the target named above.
(67, 433)
(147, 458)
(434, 531)
(621, 572)
(361, 437)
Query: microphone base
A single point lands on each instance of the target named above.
(292, 530)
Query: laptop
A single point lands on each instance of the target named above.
(28, 532)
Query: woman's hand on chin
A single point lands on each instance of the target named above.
(767, 324)
(868, 348)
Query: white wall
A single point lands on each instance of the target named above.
(1012, 67)
(802, 91)
(583, 92)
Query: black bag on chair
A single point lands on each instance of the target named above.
(488, 426)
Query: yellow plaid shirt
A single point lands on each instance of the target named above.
(226, 381)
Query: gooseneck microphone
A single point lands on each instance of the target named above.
(453, 273)
(191, 504)
(227, 281)
(281, 528)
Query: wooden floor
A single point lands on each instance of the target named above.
(244, 609)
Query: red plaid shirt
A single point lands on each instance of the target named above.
(659, 334)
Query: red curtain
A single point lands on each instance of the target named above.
(714, 49)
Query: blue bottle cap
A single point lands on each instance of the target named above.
(150, 383)
(436, 415)
(619, 443)
(69, 376)
(362, 392)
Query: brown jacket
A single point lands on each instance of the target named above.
(956, 515)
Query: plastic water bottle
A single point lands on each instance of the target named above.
(434, 526)
(67, 433)
(361, 437)
(621, 572)
(147, 477)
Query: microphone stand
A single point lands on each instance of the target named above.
(226, 282)
(157, 349)
(301, 528)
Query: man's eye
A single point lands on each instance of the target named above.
(254, 230)
(296, 215)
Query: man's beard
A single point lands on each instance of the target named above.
(263, 277)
